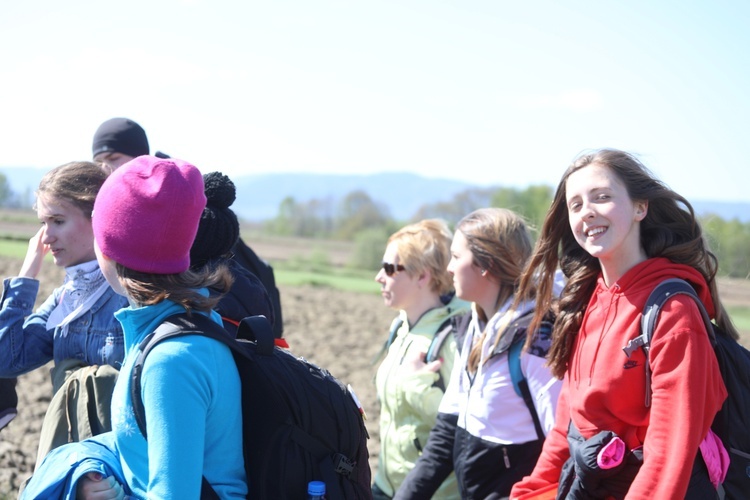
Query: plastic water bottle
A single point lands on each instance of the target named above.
(316, 490)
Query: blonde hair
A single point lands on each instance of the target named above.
(426, 246)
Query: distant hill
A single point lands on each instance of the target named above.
(259, 196)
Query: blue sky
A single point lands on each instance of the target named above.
(492, 92)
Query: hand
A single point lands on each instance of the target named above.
(94, 486)
(32, 263)
(415, 363)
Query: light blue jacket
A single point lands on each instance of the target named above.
(191, 394)
(56, 478)
(25, 343)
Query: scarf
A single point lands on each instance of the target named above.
(84, 284)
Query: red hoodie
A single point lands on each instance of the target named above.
(603, 389)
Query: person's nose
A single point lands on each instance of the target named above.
(587, 211)
(379, 277)
(48, 235)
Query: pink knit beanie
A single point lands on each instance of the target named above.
(147, 212)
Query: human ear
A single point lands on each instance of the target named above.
(424, 278)
(641, 210)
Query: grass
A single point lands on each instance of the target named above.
(318, 270)
(741, 318)
(350, 280)
(359, 282)
(13, 248)
(346, 283)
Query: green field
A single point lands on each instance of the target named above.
(301, 271)
(13, 248)
(341, 281)
(741, 318)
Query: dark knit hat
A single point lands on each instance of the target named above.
(219, 228)
(120, 135)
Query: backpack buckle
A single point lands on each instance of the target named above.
(634, 344)
(342, 465)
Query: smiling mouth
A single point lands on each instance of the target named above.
(595, 231)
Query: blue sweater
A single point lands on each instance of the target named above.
(191, 394)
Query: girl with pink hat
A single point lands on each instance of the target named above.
(145, 220)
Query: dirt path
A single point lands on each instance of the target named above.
(339, 331)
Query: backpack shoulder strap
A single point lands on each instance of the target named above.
(514, 365)
(461, 323)
(656, 300)
(455, 326)
(441, 335)
(391, 337)
(520, 384)
(178, 325)
(256, 328)
(446, 328)
(659, 296)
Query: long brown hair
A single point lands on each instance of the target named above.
(500, 244)
(148, 289)
(670, 229)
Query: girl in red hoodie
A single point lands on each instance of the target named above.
(627, 232)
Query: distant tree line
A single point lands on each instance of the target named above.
(730, 242)
(11, 199)
(359, 218)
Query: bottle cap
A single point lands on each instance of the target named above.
(316, 488)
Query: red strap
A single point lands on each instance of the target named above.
(281, 343)
(277, 342)
(229, 320)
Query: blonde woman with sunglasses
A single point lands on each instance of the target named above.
(486, 433)
(415, 282)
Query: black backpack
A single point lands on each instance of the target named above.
(300, 424)
(732, 423)
(246, 257)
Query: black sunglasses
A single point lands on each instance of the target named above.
(391, 269)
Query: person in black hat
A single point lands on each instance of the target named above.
(119, 140)
(218, 233)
